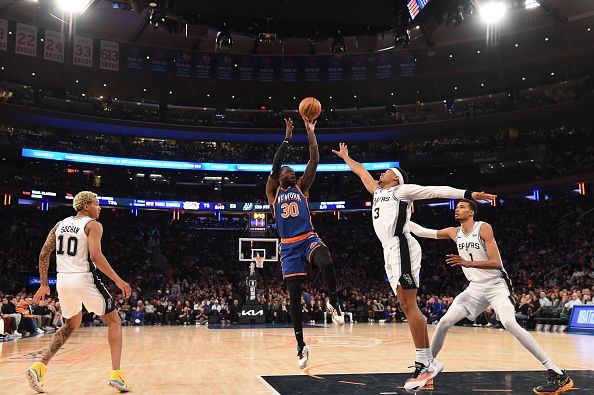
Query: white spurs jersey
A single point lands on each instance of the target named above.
(72, 249)
(472, 248)
(392, 207)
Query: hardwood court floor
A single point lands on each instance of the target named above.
(191, 360)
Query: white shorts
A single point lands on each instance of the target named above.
(76, 289)
(478, 296)
(403, 262)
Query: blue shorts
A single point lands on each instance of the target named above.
(294, 256)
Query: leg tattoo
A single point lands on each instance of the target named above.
(58, 341)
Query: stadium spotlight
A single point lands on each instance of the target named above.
(73, 6)
(338, 44)
(224, 39)
(529, 4)
(493, 12)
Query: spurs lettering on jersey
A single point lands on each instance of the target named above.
(472, 248)
(390, 215)
(72, 252)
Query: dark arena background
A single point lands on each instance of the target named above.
(171, 111)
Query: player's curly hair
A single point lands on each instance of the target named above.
(82, 198)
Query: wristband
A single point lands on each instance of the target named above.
(468, 195)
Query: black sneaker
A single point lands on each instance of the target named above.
(556, 384)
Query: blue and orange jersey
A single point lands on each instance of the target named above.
(291, 210)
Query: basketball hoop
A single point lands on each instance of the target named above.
(259, 261)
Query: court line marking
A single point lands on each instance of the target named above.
(271, 388)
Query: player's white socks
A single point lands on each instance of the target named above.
(507, 316)
(421, 355)
(429, 355)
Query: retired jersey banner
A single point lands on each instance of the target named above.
(358, 67)
(158, 60)
(110, 56)
(266, 68)
(312, 69)
(82, 53)
(134, 58)
(290, 68)
(383, 66)
(54, 46)
(224, 67)
(203, 66)
(183, 65)
(247, 68)
(26, 40)
(407, 64)
(335, 68)
(3, 34)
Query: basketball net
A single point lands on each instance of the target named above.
(259, 261)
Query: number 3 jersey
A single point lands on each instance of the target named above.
(291, 210)
(72, 250)
(472, 248)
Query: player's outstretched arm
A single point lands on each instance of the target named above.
(494, 261)
(418, 192)
(272, 183)
(370, 184)
(445, 233)
(94, 241)
(309, 175)
(44, 259)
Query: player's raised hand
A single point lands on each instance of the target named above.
(310, 126)
(41, 293)
(289, 128)
(456, 260)
(343, 151)
(483, 196)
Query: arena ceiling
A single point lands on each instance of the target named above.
(364, 27)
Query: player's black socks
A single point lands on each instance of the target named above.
(294, 287)
(321, 257)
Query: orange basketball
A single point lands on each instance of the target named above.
(310, 108)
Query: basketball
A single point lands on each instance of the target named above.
(310, 108)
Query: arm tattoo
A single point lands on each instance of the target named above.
(58, 341)
(44, 256)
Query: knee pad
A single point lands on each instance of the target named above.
(321, 257)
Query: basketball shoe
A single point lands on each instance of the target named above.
(36, 376)
(423, 374)
(116, 380)
(556, 384)
(337, 316)
(303, 357)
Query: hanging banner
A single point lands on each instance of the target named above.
(358, 67)
(266, 69)
(134, 58)
(110, 56)
(224, 67)
(3, 34)
(407, 64)
(290, 68)
(312, 69)
(183, 67)
(335, 68)
(246, 68)
(158, 60)
(54, 46)
(383, 66)
(26, 40)
(203, 66)
(82, 53)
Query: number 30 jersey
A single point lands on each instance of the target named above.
(291, 210)
(72, 250)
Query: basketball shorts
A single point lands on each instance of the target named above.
(402, 259)
(478, 296)
(294, 256)
(76, 289)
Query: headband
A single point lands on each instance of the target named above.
(398, 174)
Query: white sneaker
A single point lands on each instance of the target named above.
(39, 331)
(337, 316)
(17, 334)
(303, 357)
(423, 374)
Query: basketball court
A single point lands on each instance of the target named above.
(354, 359)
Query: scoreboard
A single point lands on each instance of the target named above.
(416, 6)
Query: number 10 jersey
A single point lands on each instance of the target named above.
(72, 250)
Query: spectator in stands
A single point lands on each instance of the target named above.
(149, 309)
(137, 316)
(544, 301)
(575, 301)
